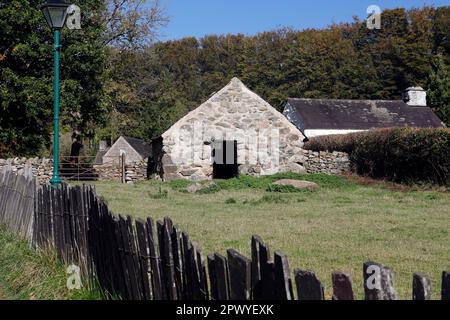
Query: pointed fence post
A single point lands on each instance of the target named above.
(342, 286)
(446, 285)
(378, 282)
(308, 286)
(421, 287)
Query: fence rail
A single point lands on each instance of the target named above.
(148, 260)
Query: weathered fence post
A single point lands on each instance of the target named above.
(267, 282)
(167, 261)
(308, 286)
(378, 282)
(421, 287)
(256, 268)
(144, 250)
(446, 285)
(155, 261)
(342, 286)
(240, 275)
(283, 283)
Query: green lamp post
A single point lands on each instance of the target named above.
(55, 12)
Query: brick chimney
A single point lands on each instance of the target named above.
(415, 97)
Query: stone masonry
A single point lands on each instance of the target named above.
(42, 169)
(267, 143)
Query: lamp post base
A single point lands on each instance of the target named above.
(55, 181)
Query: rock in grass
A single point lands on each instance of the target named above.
(198, 186)
(298, 184)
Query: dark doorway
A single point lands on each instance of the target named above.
(225, 164)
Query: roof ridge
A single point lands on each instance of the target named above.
(353, 100)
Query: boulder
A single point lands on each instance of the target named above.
(195, 187)
(299, 184)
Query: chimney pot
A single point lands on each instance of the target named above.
(415, 97)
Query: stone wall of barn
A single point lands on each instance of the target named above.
(234, 113)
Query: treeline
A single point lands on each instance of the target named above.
(153, 88)
(114, 83)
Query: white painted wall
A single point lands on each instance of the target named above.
(323, 132)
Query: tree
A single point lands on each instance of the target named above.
(132, 23)
(439, 89)
(26, 73)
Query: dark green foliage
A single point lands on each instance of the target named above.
(439, 89)
(26, 75)
(268, 198)
(341, 143)
(286, 189)
(180, 185)
(402, 155)
(230, 201)
(161, 194)
(344, 61)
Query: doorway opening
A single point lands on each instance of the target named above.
(224, 154)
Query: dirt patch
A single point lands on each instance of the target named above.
(366, 181)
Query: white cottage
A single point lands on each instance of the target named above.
(234, 132)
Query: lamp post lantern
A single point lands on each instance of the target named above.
(55, 12)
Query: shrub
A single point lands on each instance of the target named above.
(286, 189)
(402, 155)
(339, 142)
(230, 201)
(161, 194)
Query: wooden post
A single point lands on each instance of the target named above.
(240, 276)
(123, 167)
(283, 283)
(378, 282)
(308, 286)
(342, 286)
(446, 285)
(421, 287)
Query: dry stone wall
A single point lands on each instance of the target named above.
(42, 169)
(326, 162)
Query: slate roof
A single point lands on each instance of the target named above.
(140, 146)
(99, 156)
(358, 114)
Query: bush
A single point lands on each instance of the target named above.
(401, 155)
(230, 201)
(286, 189)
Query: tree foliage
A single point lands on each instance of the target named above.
(439, 89)
(343, 61)
(26, 67)
(26, 73)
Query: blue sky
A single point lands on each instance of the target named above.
(203, 17)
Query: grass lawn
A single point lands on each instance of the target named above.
(337, 227)
(29, 275)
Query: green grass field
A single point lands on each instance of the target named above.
(29, 275)
(337, 227)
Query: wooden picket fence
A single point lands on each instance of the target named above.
(17, 201)
(143, 260)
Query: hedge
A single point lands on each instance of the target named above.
(402, 155)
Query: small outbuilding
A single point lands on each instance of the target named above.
(321, 117)
(234, 132)
(135, 151)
